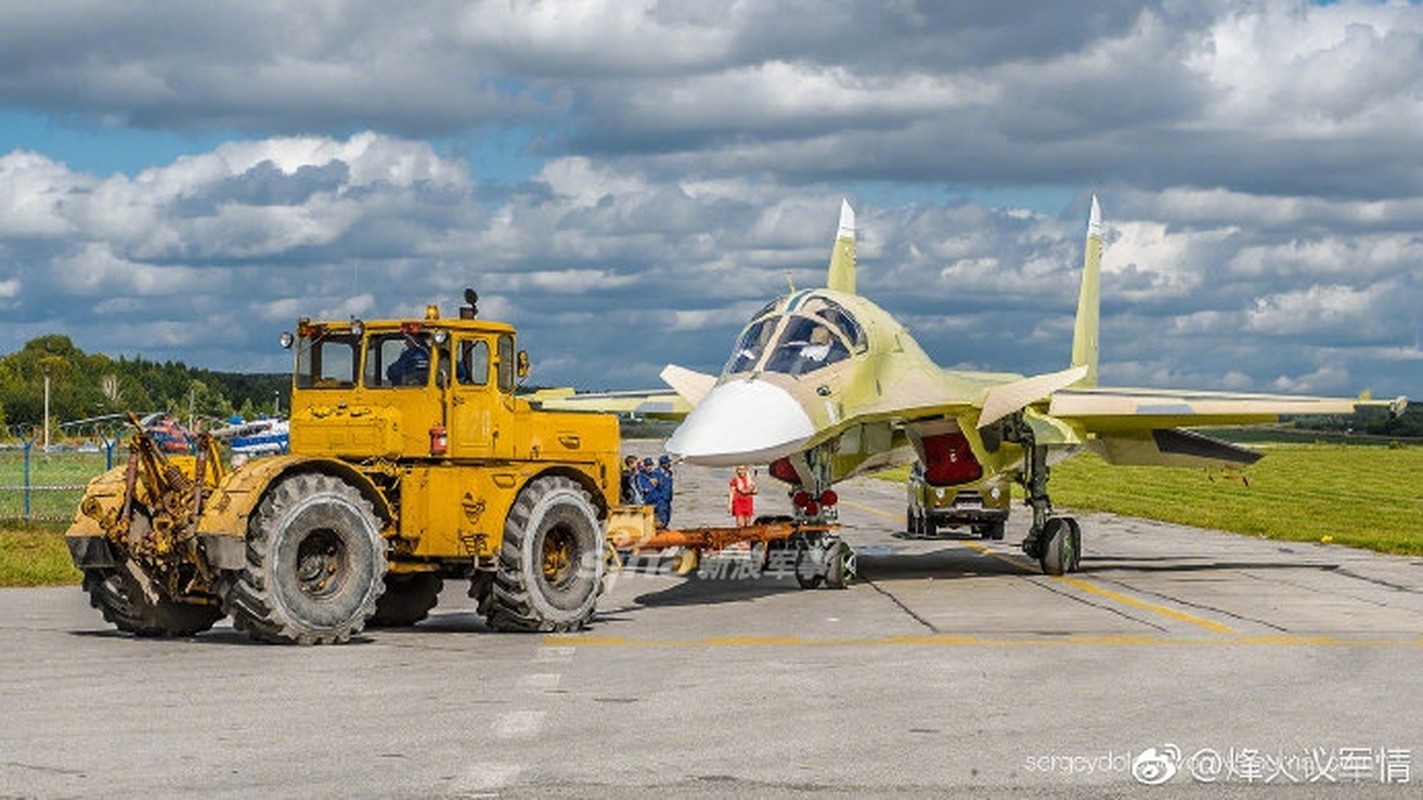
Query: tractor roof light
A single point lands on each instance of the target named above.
(357, 327)
(287, 340)
(442, 336)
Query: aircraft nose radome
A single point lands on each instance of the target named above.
(742, 422)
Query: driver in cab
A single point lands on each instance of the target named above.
(413, 365)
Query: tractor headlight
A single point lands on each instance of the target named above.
(287, 340)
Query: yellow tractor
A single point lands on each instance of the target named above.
(411, 461)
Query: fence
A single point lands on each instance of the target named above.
(41, 486)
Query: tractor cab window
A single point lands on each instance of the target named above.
(752, 344)
(838, 318)
(806, 344)
(398, 359)
(507, 365)
(473, 363)
(326, 361)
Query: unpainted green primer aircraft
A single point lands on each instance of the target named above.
(822, 385)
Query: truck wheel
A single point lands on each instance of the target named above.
(407, 599)
(315, 564)
(117, 595)
(551, 563)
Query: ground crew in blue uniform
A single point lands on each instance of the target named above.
(646, 484)
(628, 486)
(662, 504)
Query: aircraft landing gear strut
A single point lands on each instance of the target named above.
(1054, 540)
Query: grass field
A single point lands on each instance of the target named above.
(33, 553)
(1367, 497)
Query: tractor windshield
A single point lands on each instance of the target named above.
(398, 359)
(325, 360)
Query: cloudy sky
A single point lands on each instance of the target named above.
(627, 181)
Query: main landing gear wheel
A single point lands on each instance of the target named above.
(1061, 543)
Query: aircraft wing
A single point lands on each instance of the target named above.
(653, 404)
(1108, 410)
(1145, 426)
(688, 389)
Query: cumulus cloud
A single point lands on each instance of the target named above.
(1256, 161)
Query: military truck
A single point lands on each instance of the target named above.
(983, 508)
(412, 461)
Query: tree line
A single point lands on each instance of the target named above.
(84, 386)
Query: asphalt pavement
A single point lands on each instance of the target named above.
(1201, 661)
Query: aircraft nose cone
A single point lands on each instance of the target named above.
(742, 422)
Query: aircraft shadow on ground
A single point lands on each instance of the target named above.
(1159, 564)
(947, 564)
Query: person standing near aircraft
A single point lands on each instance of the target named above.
(662, 505)
(741, 499)
(628, 486)
(646, 484)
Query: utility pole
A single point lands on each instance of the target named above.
(46, 409)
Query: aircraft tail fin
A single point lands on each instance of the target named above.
(1084, 332)
(842, 257)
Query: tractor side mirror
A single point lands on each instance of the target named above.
(522, 364)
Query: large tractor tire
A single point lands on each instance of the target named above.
(117, 595)
(315, 564)
(552, 561)
(407, 600)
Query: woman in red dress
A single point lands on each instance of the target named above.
(741, 500)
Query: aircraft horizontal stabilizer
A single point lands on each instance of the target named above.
(1172, 447)
(1004, 400)
(689, 385)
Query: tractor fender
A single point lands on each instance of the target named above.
(222, 528)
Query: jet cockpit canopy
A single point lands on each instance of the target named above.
(796, 335)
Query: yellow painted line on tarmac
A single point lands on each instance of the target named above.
(971, 640)
(1118, 597)
(1127, 600)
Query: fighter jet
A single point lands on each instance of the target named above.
(822, 385)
